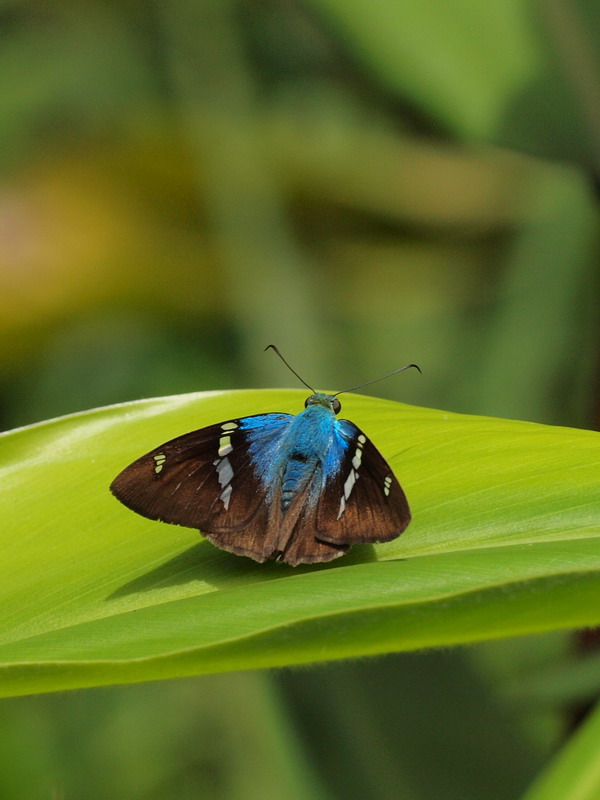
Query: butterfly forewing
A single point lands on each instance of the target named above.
(208, 479)
(363, 501)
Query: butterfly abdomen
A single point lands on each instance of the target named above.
(298, 472)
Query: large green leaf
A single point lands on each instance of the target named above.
(504, 540)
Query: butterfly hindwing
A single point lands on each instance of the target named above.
(363, 501)
(208, 479)
(305, 547)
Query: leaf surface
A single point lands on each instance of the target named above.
(504, 541)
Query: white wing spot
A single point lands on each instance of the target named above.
(357, 458)
(224, 471)
(225, 445)
(159, 462)
(349, 485)
(342, 508)
(229, 426)
(387, 482)
(226, 495)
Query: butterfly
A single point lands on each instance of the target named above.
(295, 488)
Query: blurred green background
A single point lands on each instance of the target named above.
(364, 184)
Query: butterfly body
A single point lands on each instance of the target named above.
(297, 488)
(301, 455)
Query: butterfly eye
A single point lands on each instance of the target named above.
(336, 406)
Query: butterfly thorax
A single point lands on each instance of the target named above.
(303, 452)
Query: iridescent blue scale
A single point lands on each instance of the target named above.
(310, 444)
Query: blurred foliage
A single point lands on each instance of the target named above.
(223, 737)
(365, 185)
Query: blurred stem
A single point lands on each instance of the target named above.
(575, 772)
(276, 764)
(579, 62)
(547, 309)
(267, 282)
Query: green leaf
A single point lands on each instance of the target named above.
(575, 772)
(504, 541)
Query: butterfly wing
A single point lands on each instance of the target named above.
(209, 479)
(221, 480)
(304, 547)
(363, 501)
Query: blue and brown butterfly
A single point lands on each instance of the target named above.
(296, 488)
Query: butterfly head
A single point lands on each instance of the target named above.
(329, 401)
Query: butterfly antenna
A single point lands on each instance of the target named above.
(376, 380)
(291, 369)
